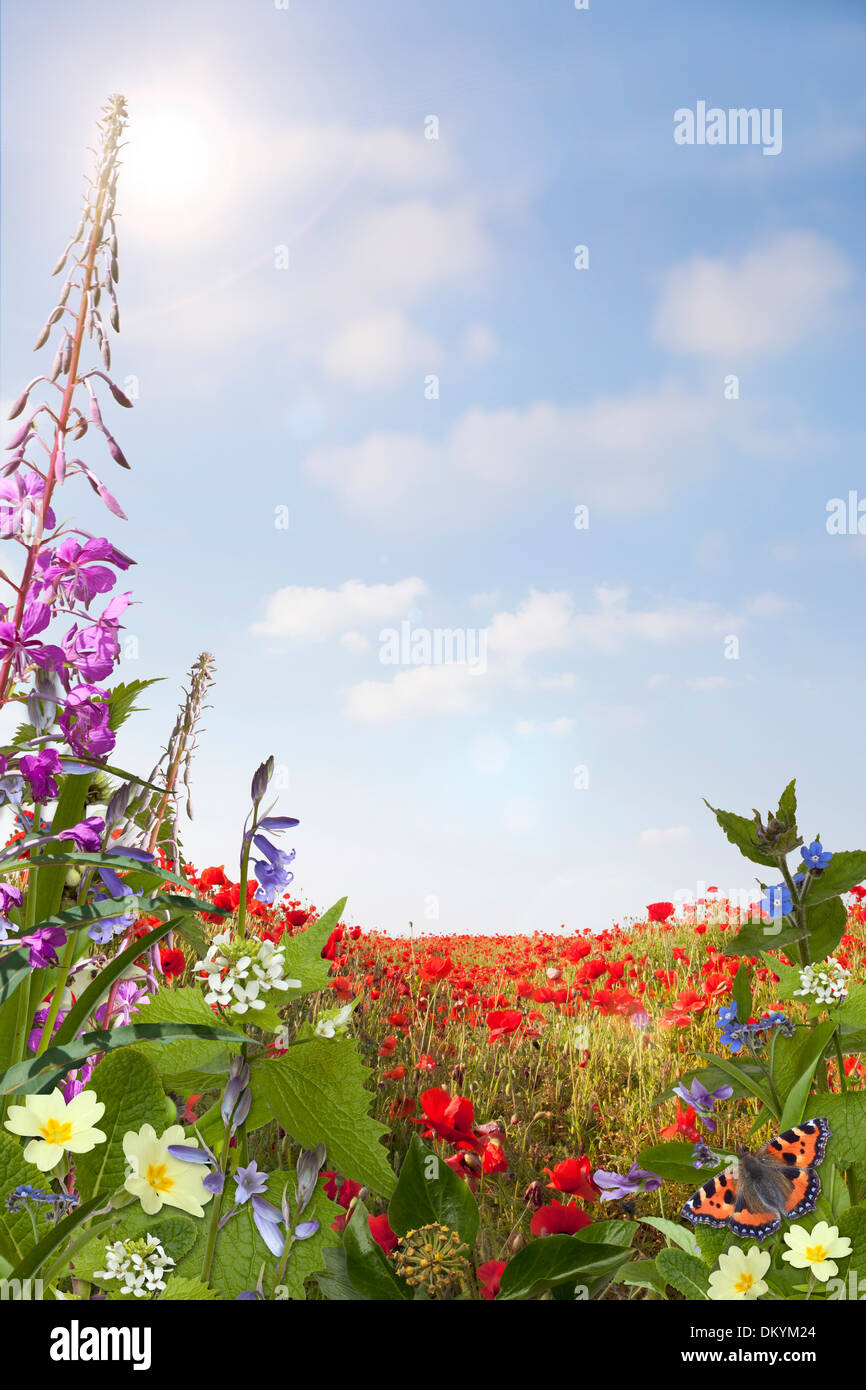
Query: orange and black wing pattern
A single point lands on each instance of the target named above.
(713, 1204)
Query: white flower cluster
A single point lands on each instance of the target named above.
(238, 972)
(828, 982)
(333, 1023)
(139, 1265)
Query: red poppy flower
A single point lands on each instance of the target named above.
(573, 1176)
(489, 1275)
(660, 912)
(172, 962)
(559, 1220)
(380, 1230)
(503, 1021)
(448, 1117)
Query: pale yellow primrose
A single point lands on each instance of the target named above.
(157, 1179)
(59, 1126)
(740, 1274)
(815, 1250)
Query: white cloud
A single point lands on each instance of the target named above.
(355, 642)
(620, 453)
(669, 836)
(543, 626)
(314, 614)
(479, 345)
(704, 684)
(553, 728)
(765, 302)
(378, 349)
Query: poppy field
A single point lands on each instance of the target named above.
(212, 1089)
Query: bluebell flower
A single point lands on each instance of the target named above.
(250, 1182)
(815, 856)
(272, 872)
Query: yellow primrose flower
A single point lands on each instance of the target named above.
(158, 1179)
(814, 1250)
(59, 1126)
(740, 1274)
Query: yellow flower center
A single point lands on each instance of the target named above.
(158, 1178)
(744, 1283)
(816, 1254)
(55, 1132)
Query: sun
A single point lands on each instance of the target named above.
(178, 163)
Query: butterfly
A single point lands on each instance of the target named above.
(754, 1195)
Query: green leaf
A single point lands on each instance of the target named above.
(428, 1190)
(176, 1234)
(14, 969)
(814, 1045)
(742, 991)
(41, 1074)
(129, 1088)
(742, 833)
(551, 1261)
(713, 1243)
(846, 868)
(316, 1091)
(16, 1232)
(99, 988)
(303, 953)
(307, 1257)
(684, 1272)
(787, 811)
(54, 1239)
(756, 1085)
(644, 1274)
(713, 1076)
(672, 1161)
(121, 700)
(852, 1223)
(334, 1282)
(185, 1067)
(846, 1114)
(826, 922)
(673, 1234)
(368, 1269)
(852, 1013)
(187, 1291)
(48, 882)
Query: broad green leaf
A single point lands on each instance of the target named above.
(334, 1281)
(39, 1075)
(187, 1291)
(550, 1261)
(316, 1091)
(48, 881)
(612, 1232)
(742, 833)
(852, 1013)
(643, 1274)
(129, 1088)
(175, 1232)
(810, 1055)
(846, 1114)
(826, 922)
(846, 868)
(673, 1162)
(787, 811)
(303, 953)
(368, 1269)
(187, 1067)
(428, 1190)
(673, 1234)
(122, 698)
(684, 1272)
(852, 1223)
(713, 1243)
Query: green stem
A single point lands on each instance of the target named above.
(216, 1211)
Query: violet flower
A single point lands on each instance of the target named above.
(72, 570)
(703, 1101)
(615, 1187)
(38, 770)
(42, 944)
(86, 835)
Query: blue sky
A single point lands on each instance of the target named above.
(258, 134)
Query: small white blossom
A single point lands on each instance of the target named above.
(138, 1265)
(238, 973)
(827, 982)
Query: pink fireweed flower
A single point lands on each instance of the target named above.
(73, 573)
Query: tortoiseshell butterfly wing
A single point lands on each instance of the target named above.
(779, 1181)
